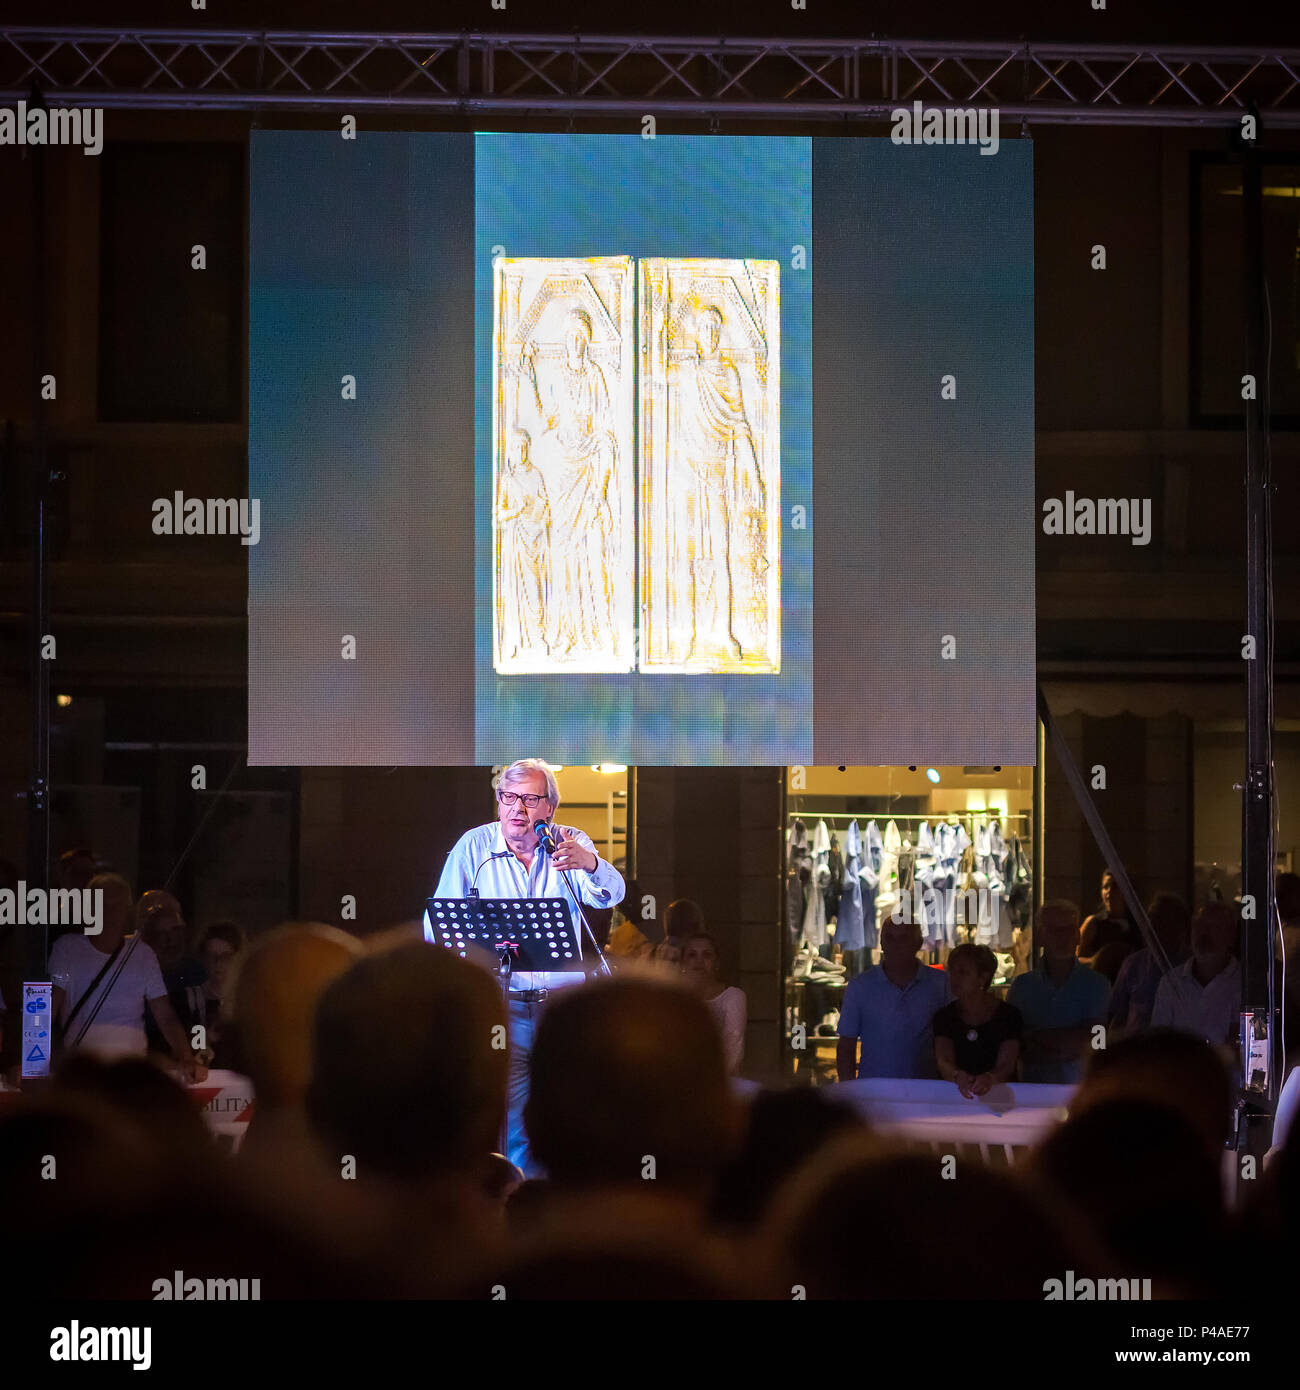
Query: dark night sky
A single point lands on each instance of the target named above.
(1221, 22)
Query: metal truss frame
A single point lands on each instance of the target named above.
(597, 75)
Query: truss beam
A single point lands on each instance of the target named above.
(605, 76)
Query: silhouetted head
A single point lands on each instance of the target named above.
(118, 916)
(222, 943)
(974, 1233)
(1166, 1067)
(700, 958)
(1149, 1186)
(276, 990)
(971, 969)
(683, 918)
(1112, 896)
(1058, 929)
(143, 1097)
(629, 1078)
(1214, 932)
(161, 925)
(76, 868)
(1170, 920)
(783, 1130)
(899, 941)
(411, 1063)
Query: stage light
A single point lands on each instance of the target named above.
(63, 701)
(932, 773)
(553, 767)
(611, 768)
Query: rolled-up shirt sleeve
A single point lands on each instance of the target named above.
(850, 1024)
(603, 886)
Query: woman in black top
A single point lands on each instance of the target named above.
(977, 1036)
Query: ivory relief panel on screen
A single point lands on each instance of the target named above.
(565, 459)
(563, 465)
(710, 465)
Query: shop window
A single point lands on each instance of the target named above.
(948, 848)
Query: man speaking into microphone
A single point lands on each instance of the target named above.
(505, 859)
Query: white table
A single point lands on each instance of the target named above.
(1009, 1117)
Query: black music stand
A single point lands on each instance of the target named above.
(523, 934)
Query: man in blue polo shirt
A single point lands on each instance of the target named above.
(1062, 1001)
(890, 1008)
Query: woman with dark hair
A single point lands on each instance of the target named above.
(1112, 927)
(726, 1003)
(977, 1036)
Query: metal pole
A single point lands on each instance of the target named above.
(36, 938)
(1257, 801)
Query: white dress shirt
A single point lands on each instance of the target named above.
(1210, 1011)
(483, 851)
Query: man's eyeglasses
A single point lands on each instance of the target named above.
(530, 799)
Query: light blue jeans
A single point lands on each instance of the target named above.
(523, 1026)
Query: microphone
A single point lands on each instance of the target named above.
(545, 836)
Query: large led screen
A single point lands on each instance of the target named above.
(686, 450)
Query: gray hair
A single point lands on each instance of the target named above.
(517, 771)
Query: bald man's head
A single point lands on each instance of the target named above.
(625, 1071)
(275, 996)
(411, 1062)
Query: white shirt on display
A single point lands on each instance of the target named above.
(482, 858)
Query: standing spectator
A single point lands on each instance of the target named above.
(977, 1036)
(109, 1020)
(1112, 925)
(890, 1009)
(1061, 999)
(1134, 995)
(1203, 995)
(222, 944)
(726, 1002)
(161, 925)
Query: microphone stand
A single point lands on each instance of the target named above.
(505, 969)
(548, 843)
